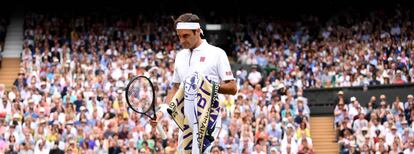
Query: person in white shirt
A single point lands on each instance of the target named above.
(254, 76)
(41, 147)
(410, 149)
(389, 138)
(199, 56)
(375, 125)
(361, 122)
(353, 107)
(289, 145)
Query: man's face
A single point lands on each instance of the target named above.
(188, 37)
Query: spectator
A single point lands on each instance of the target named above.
(254, 77)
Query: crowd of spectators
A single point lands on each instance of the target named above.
(378, 127)
(69, 94)
(69, 97)
(345, 51)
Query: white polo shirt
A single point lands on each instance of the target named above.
(205, 59)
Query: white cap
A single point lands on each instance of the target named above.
(42, 109)
(353, 99)
(365, 128)
(119, 91)
(42, 121)
(16, 115)
(280, 86)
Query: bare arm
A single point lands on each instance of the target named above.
(172, 92)
(228, 87)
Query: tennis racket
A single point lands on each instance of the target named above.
(140, 97)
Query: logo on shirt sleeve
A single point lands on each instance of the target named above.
(202, 59)
(229, 73)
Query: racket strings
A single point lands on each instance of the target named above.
(140, 94)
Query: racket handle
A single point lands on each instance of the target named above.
(162, 132)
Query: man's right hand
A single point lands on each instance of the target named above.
(154, 122)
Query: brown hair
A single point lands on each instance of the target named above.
(186, 17)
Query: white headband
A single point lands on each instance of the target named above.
(189, 25)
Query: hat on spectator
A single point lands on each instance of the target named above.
(42, 109)
(340, 92)
(353, 98)
(238, 72)
(16, 115)
(119, 91)
(409, 96)
(3, 114)
(274, 84)
(240, 95)
(280, 86)
(382, 96)
(393, 127)
(364, 128)
(273, 149)
(383, 103)
(404, 122)
(42, 121)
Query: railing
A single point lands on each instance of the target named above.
(323, 101)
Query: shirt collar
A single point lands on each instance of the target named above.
(202, 45)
